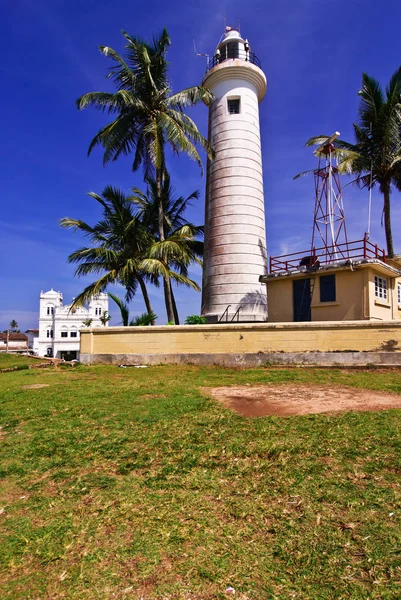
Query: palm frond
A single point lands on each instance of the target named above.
(143, 320)
(190, 97)
(372, 100)
(124, 310)
(94, 289)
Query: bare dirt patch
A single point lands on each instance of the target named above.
(286, 400)
(34, 386)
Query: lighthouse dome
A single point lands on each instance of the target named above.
(232, 46)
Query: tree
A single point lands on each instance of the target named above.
(181, 239)
(87, 322)
(14, 326)
(124, 251)
(143, 319)
(104, 318)
(119, 244)
(375, 156)
(147, 116)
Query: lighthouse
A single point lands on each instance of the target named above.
(235, 238)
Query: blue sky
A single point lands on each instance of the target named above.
(313, 54)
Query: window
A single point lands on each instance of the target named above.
(49, 333)
(327, 288)
(233, 106)
(74, 334)
(381, 287)
(50, 310)
(232, 50)
(64, 334)
(98, 311)
(399, 294)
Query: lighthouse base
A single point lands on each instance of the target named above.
(233, 317)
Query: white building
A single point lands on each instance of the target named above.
(59, 325)
(33, 339)
(13, 341)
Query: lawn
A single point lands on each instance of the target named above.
(8, 361)
(131, 483)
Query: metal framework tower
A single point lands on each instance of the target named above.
(329, 229)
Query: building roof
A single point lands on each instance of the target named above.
(14, 337)
(32, 331)
(51, 294)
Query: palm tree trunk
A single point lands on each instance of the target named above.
(387, 221)
(166, 280)
(145, 295)
(169, 300)
(176, 317)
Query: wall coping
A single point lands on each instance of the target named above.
(246, 327)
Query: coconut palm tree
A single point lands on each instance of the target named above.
(148, 116)
(14, 326)
(125, 252)
(119, 243)
(375, 156)
(175, 226)
(143, 319)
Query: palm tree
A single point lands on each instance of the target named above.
(175, 226)
(147, 115)
(104, 318)
(143, 319)
(125, 252)
(375, 156)
(119, 244)
(14, 326)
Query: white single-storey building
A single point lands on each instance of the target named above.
(59, 325)
(13, 341)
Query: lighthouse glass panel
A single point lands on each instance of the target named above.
(230, 50)
(233, 106)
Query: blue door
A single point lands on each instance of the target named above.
(302, 299)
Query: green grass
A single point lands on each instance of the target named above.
(9, 361)
(131, 483)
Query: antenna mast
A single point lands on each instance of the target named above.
(201, 54)
(329, 226)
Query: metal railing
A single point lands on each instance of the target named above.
(358, 250)
(241, 55)
(236, 314)
(226, 315)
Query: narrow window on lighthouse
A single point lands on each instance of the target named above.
(233, 106)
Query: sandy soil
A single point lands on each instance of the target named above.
(285, 400)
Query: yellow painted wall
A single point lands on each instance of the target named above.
(381, 309)
(245, 339)
(355, 297)
(348, 305)
(279, 300)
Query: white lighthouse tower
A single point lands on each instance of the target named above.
(235, 238)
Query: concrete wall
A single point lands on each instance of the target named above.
(244, 343)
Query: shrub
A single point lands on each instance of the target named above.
(195, 320)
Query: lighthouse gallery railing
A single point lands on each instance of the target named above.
(240, 55)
